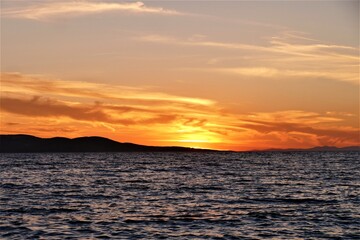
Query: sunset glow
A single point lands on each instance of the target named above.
(196, 74)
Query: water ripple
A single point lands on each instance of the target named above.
(180, 196)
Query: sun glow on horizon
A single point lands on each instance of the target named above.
(149, 121)
(223, 78)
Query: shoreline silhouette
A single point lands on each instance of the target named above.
(22, 143)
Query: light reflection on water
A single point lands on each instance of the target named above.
(180, 195)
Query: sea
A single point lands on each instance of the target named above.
(221, 195)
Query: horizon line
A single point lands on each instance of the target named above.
(210, 149)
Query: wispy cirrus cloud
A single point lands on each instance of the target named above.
(266, 72)
(276, 45)
(285, 56)
(76, 8)
(197, 41)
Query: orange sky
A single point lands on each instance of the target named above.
(210, 75)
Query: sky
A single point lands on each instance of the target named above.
(232, 75)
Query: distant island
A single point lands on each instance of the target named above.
(21, 143)
(314, 149)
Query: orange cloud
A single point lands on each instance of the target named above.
(296, 128)
(55, 107)
(75, 8)
(32, 84)
(45, 107)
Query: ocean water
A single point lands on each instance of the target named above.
(180, 196)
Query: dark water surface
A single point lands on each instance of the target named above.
(180, 196)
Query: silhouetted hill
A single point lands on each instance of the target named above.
(28, 143)
(315, 149)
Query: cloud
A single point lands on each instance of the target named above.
(321, 135)
(266, 72)
(51, 106)
(33, 84)
(36, 96)
(276, 45)
(46, 107)
(300, 126)
(76, 8)
(288, 55)
(196, 41)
